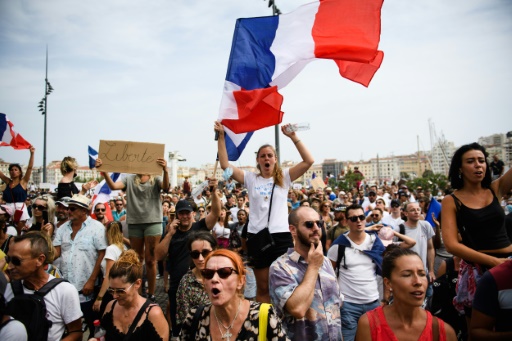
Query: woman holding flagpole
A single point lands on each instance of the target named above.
(268, 234)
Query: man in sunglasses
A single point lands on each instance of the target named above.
(99, 211)
(81, 242)
(394, 219)
(174, 244)
(303, 286)
(27, 258)
(357, 255)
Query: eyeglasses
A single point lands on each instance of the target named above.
(395, 206)
(14, 260)
(355, 218)
(118, 291)
(72, 208)
(195, 254)
(222, 272)
(119, 204)
(311, 223)
(39, 207)
(375, 215)
(99, 210)
(201, 211)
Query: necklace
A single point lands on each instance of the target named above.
(226, 335)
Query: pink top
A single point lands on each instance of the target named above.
(381, 331)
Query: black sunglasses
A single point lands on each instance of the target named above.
(310, 223)
(39, 207)
(14, 260)
(375, 215)
(72, 208)
(395, 206)
(195, 254)
(355, 218)
(223, 272)
(99, 210)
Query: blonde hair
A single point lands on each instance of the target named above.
(68, 164)
(115, 234)
(50, 208)
(277, 173)
(137, 179)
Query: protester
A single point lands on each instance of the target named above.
(15, 193)
(405, 276)
(144, 214)
(229, 314)
(115, 248)
(268, 191)
(10, 329)
(474, 211)
(221, 230)
(100, 213)
(303, 285)
(67, 187)
(5, 238)
(26, 260)
(125, 280)
(191, 291)
(43, 215)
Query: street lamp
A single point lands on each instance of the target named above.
(43, 108)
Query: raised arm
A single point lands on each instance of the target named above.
(407, 242)
(238, 174)
(212, 217)
(26, 177)
(503, 185)
(307, 159)
(118, 185)
(165, 180)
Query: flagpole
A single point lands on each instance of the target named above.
(276, 11)
(45, 115)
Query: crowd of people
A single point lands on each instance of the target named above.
(253, 257)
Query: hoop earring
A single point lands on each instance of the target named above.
(460, 175)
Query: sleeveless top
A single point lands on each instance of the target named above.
(66, 189)
(18, 192)
(482, 228)
(146, 331)
(381, 331)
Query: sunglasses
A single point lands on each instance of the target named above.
(119, 291)
(375, 215)
(201, 211)
(223, 272)
(39, 207)
(14, 260)
(72, 208)
(311, 223)
(395, 206)
(195, 254)
(356, 218)
(99, 210)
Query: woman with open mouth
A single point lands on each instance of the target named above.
(229, 317)
(268, 234)
(404, 275)
(473, 210)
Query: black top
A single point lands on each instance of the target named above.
(66, 189)
(146, 331)
(482, 228)
(179, 255)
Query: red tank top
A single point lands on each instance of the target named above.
(381, 331)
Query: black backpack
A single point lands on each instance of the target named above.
(30, 309)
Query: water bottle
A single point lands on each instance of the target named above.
(99, 332)
(297, 127)
(199, 189)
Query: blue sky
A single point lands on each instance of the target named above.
(153, 71)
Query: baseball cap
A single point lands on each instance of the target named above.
(64, 201)
(340, 208)
(183, 205)
(395, 202)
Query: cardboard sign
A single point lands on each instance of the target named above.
(130, 157)
(317, 183)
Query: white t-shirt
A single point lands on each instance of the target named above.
(14, 330)
(62, 306)
(259, 190)
(359, 282)
(394, 223)
(112, 252)
(220, 231)
(422, 233)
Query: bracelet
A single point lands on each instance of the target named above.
(297, 141)
(99, 298)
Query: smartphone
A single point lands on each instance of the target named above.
(172, 216)
(45, 218)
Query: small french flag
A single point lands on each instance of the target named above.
(9, 137)
(93, 155)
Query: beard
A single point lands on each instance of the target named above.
(304, 239)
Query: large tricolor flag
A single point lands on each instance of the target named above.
(9, 137)
(268, 52)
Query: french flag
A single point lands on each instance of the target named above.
(10, 138)
(102, 195)
(93, 155)
(268, 52)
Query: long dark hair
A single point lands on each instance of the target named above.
(456, 164)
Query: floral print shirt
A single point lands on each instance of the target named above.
(322, 320)
(190, 294)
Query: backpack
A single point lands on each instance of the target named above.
(30, 309)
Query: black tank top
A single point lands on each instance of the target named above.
(482, 228)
